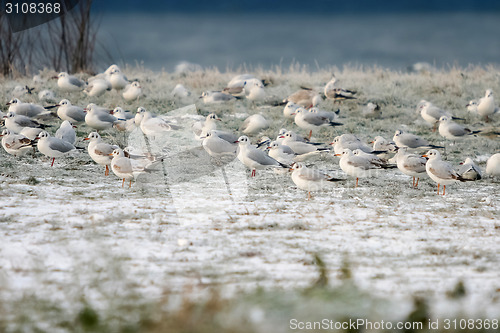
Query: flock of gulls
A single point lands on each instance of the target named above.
(26, 129)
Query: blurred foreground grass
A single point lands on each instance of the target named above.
(257, 311)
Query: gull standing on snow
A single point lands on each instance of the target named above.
(98, 119)
(69, 83)
(306, 98)
(411, 164)
(152, 126)
(468, 170)
(15, 123)
(117, 79)
(66, 132)
(217, 147)
(440, 171)
(302, 149)
(337, 94)
(290, 109)
(486, 106)
(100, 151)
(15, 144)
(409, 140)
(97, 87)
(132, 91)
(125, 121)
(53, 147)
(357, 166)
(202, 128)
(309, 179)
(47, 96)
(451, 130)
(254, 124)
(26, 109)
(349, 141)
(432, 114)
(254, 158)
(493, 165)
(72, 113)
(211, 97)
(311, 120)
(126, 168)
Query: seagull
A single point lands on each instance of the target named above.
(27, 109)
(493, 165)
(371, 110)
(117, 79)
(180, 92)
(237, 84)
(211, 97)
(411, 165)
(98, 119)
(451, 130)
(290, 109)
(100, 151)
(126, 168)
(15, 123)
(53, 147)
(411, 140)
(486, 106)
(309, 179)
(472, 106)
(31, 132)
(328, 114)
(254, 124)
(302, 149)
(357, 166)
(440, 171)
(69, 112)
(20, 91)
(306, 98)
(254, 158)
(152, 126)
(311, 121)
(351, 142)
(125, 121)
(432, 114)
(201, 128)
(97, 87)
(15, 144)
(254, 90)
(468, 170)
(380, 144)
(337, 94)
(47, 96)
(132, 91)
(69, 83)
(281, 153)
(66, 132)
(217, 147)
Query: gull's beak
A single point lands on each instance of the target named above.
(293, 114)
(110, 154)
(218, 119)
(8, 103)
(57, 105)
(468, 104)
(370, 142)
(331, 143)
(55, 77)
(236, 141)
(86, 139)
(461, 163)
(73, 126)
(425, 155)
(281, 137)
(337, 155)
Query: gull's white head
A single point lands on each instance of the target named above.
(212, 117)
(297, 166)
(64, 102)
(432, 154)
(489, 93)
(62, 74)
(244, 140)
(10, 115)
(43, 134)
(14, 101)
(118, 153)
(444, 119)
(93, 136)
(141, 109)
(398, 133)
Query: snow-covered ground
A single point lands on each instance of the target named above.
(68, 230)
